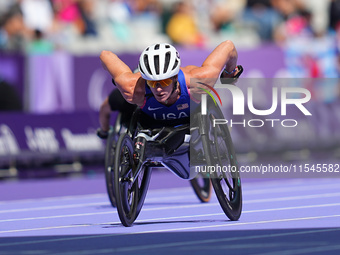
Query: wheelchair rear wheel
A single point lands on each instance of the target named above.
(220, 153)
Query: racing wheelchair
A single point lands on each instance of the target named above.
(200, 184)
(182, 149)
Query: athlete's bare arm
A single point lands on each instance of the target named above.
(224, 56)
(104, 115)
(130, 84)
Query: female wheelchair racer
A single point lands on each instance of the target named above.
(165, 88)
(181, 149)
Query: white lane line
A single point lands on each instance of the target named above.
(276, 199)
(288, 182)
(251, 189)
(320, 250)
(323, 187)
(51, 207)
(59, 216)
(53, 199)
(244, 212)
(151, 192)
(155, 219)
(155, 199)
(293, 208)
(115, 211)
(240, 224)
(45, 228)
(176, 229)
(167, 208)
(290, 198)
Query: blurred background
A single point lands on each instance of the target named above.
(52, 83)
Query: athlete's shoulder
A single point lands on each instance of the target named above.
(190, 72)
(188, 69)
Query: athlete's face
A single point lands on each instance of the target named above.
(162, 93)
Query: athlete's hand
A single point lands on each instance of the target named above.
(229, 79)
(102, 134)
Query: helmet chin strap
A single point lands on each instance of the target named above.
(173, 90)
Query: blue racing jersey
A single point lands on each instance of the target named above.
(177, 113)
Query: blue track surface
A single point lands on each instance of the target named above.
(74, 216)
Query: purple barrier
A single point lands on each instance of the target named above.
(92, 83)
(51, 83)
(27, 139)
(63, 83)
(12, 70)
(266, 61)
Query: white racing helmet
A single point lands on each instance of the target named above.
(159, 61)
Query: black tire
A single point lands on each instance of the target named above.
(110, 156)
(131, 197)
(201, 183)
(126, 193)
(143, 186)
(202, 187)
(219, 150)
(109, 165)
(145, 174)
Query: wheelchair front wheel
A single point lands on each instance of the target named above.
(126, 192)
(130, 195)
